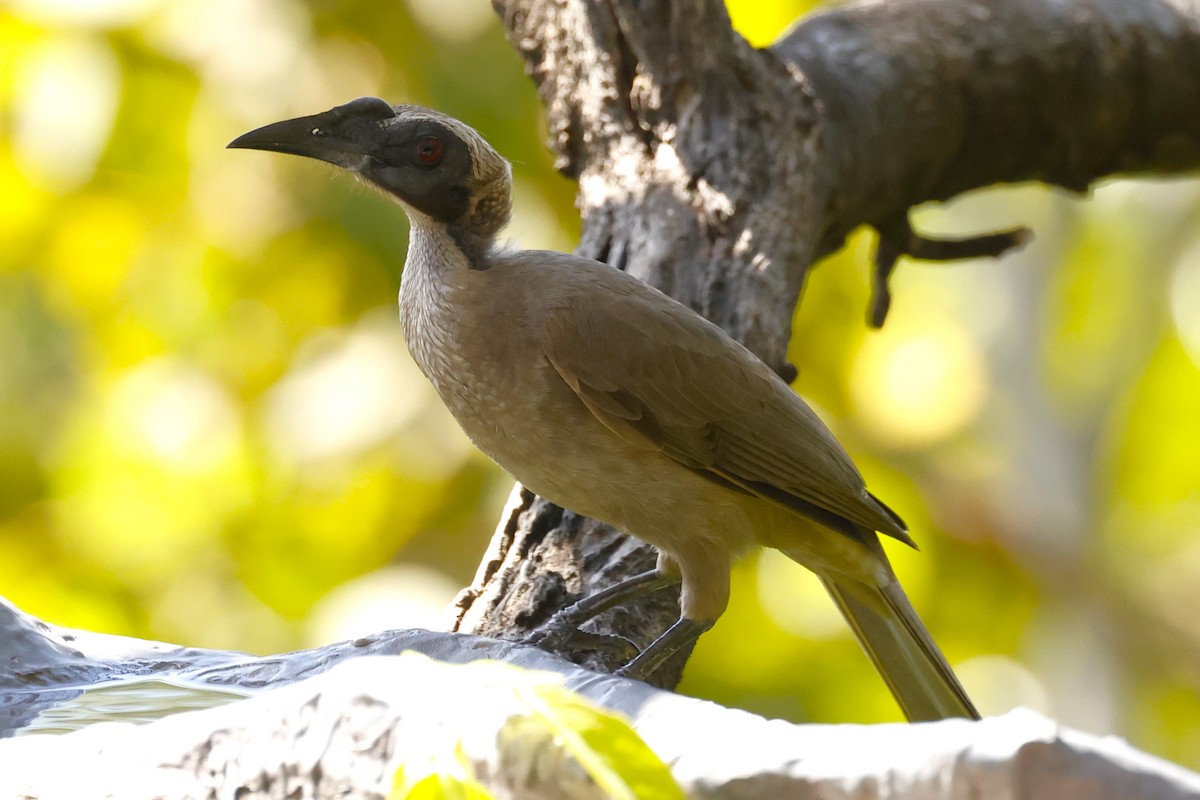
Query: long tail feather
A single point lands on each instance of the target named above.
(901, 648)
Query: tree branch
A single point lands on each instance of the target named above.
(925, 99)
(899, 239)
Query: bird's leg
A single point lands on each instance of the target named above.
(556, 630)
(682, 634)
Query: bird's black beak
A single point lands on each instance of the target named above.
(303, 136)
(341, 136)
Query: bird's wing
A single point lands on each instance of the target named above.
(662, 377)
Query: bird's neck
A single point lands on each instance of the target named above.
(469, 241)
(439, 290)
(436, 250)
(434, 254)
(441, 262)
(490, 209)
(474, 246)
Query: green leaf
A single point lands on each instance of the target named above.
(436, 785)
(602, 743)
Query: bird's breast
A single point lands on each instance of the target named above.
(480, 356)
(479, 350)
(488, 366)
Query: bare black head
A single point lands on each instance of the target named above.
(432, 163)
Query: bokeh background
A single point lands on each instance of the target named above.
(211, 433)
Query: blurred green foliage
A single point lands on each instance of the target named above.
(210, 432)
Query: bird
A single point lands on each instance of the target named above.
(605, 396)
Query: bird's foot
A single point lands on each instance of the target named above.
(682, 635)
(563, 625)
(555, 633)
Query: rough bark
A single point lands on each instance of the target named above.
(541, 558)
(721, 173)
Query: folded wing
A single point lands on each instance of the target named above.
(662, 377)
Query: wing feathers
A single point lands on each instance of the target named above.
(621, 413)
(659, 376)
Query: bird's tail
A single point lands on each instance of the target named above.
(900, 647)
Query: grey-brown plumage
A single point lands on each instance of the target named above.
(611, 399)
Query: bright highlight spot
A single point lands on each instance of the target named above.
(998, 684)
(177, 415)
(1185, 300)
(534, 225)
(452, 22)
(239, 203)
(1171, 583)
(99, 13)
(147, 484)
(915, 386)
(355, 394)
(66, 99)
(252, 53)
(401, 596)
(795, 600)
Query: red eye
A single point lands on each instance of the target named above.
(429, 151)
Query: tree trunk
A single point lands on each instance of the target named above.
(721, 173)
